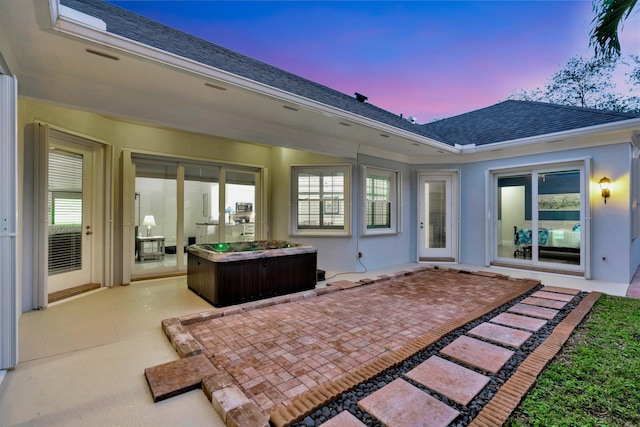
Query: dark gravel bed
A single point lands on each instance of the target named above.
(348, 401)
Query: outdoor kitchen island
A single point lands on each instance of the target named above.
(232, 273)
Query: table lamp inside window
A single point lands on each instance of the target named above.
(149, 221)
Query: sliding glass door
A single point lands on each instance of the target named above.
(156, 197)
(540, 218)
(180, 203)
(240, 202)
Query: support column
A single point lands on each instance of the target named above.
(8, 222)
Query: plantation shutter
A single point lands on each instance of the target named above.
(65, 212)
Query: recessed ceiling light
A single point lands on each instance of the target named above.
(384, 135)
(440, 151)
(211, 85)
(102, 54)
(345, 124)
(288, 107)
(415, 144)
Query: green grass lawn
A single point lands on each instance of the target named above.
(595, 379)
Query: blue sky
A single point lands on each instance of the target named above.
(428, 59)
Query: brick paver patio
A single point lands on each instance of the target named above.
(279, 352)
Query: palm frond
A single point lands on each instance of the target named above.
(609, 15)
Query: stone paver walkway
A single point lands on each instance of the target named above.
(277, 353)
(401, 404)
(288, 357)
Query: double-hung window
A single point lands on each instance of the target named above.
(380, 201)
(321, 197)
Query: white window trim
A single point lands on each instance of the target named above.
(319, 232)
(395, 199)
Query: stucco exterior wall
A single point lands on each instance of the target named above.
(340, 253)
(120, 135)
(615, 255)
(611, 254)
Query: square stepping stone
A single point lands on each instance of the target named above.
(500, 334)
(177, 377)
(517, 321)
(561, 290)
(399, 404)
(534, 311)
(478, 354)
(447, 378)
(543, 302)
(343, 419)
(552, 295)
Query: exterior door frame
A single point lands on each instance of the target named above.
(492, 175)
(453, 177)
(9, 276)
(129, 158)
(102, 259)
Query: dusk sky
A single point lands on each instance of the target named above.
(428, 59)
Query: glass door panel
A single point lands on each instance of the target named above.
(69, 217)
(514, 217)
(559, 224)
(240, 206)
(156, 216)
(436, 233)
(201, 204)
(539, 221)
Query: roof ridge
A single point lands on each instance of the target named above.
(579, 108)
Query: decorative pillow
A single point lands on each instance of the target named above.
(576, 227)
(543, 236)
(523, 236)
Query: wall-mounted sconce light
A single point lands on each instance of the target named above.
(605, 183)
(149, 221)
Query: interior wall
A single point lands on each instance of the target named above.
(512, 212)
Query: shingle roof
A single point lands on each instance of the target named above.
(510, 120)
(505, 121)
(146, 31)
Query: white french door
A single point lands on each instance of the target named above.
(70, 215)
(437, 217)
